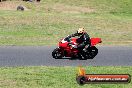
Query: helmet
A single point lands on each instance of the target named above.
(80, 30)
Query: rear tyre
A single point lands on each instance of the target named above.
(92, 52)
(84, 57)
(57, 53)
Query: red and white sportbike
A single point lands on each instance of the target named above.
(66, 50)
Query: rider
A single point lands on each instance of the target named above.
(84, 40)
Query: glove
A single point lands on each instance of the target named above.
(73, 46)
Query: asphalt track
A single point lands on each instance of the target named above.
(41, 56)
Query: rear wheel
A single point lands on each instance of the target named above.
(57, 53)
(92, 52)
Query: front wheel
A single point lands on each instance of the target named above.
(57, 53)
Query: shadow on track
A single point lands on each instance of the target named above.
(69, 58)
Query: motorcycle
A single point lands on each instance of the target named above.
(65, 49)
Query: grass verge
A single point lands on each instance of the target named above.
(45, 23)
(56, 77)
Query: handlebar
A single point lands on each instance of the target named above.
(69, 44)
(68, 38)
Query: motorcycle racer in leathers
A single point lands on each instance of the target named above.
(83, 40)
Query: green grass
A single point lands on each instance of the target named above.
(47, 22)
(56, 77)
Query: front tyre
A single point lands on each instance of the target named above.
(57, 53)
